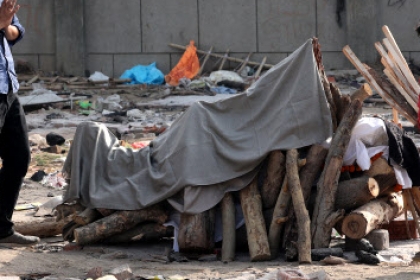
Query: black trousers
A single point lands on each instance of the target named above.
(15, 155)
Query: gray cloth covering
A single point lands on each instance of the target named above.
(211, 149)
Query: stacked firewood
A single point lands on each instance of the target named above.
(293, 204)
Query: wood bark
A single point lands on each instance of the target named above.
(384, 174)
(370, 216)
(65, 210)
(396, 100)
(259, 249)
(272, 183)
(356, 192)
(41, 226)
(117, 222)
(314, 162)
(87, 216)
(229, 228)
(325, 82)
(196, 232)
(324, 217)
(279, 218)
(342, 102)
(141, 232)
(302, 216)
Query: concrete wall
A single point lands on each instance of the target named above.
(78, 37)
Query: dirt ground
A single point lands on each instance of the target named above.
(55, 259)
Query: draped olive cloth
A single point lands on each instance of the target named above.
(211, 149)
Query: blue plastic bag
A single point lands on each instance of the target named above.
(142, 74)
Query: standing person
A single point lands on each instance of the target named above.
(14, 144)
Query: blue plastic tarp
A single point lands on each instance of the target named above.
(144, 74)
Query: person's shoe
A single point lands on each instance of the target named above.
(17, 239)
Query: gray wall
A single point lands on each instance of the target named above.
(76, 37)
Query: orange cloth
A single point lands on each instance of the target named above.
(187, 67)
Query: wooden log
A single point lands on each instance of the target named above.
(229, 228)
(356, 192)
(271, 186)
(314, 162)
(325, 82)
(370, 216)
(87, 216)
(66, 209)
(324, 216)
(341, 101)
(250, 197)
(320, 253)
(362, 93)
(302, 216)
(410, 205)
(384, 175)
(41, 226)
(106, 212)
(141, 232)
(117, 222)
(196, 232)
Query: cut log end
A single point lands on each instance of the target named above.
(373, 187)
(354, 226)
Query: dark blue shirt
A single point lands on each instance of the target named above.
(7, 66)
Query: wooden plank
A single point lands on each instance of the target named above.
(233, 59)
(224, 59)
(402, 64)
(405, 84)
(258, 73)
(401, 89)
(205, 61)
(244, 63)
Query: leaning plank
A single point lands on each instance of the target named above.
(224, 60)
(401, 89)
(394, 68)
(229, 228)
(200, 71)
(272, 182)
(117, 222)
(364, 219)
(341, 101)
(41, 226)
(393, 48)
(324, 216)
(394, 97)
(302, 215)
(196, 232)
(254, 220)
(356, 192)
(363, 70)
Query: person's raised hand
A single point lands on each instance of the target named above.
(7, 10)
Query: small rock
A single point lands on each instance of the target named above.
(122, 272)
(94, 273)
(38, 176)
(55, 139)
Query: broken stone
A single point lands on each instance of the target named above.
(122, 272)
(94, 273)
